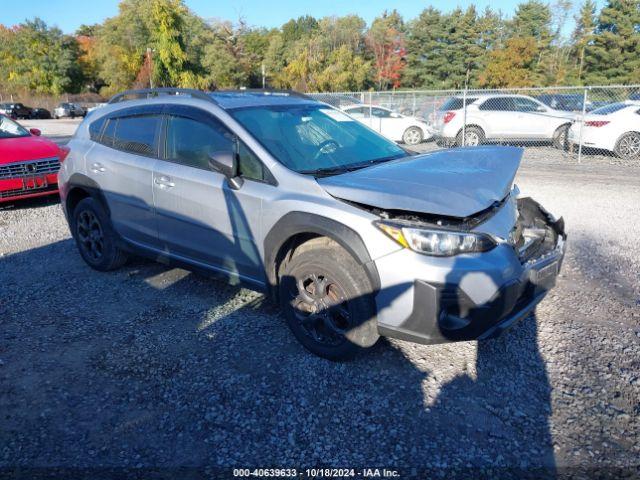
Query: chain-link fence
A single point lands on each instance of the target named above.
(564, 123)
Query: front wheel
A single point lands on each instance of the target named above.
(412, 136)
(628, 146)
(327, 300)
(95, 237)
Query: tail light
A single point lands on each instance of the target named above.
(449, 116)
(596, 123)
(64, 152)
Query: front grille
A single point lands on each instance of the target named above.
(16, 192)
(45, 166)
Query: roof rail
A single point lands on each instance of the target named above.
(266, 91)
(156, 92)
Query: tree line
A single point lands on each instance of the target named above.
(162, 42)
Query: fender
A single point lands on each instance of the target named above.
(294, 223)
(87, 184)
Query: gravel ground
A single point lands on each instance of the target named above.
(151, 366)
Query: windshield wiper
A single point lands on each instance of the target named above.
(349, 168)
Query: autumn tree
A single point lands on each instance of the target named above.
(385, 40)
(514, 65)
(35, 57)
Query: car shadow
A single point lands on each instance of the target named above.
(153, 366)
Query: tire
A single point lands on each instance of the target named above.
(412, 136)
(560, 137)
(628, 146)
(326, 326)
(474, 136)
(95, 238)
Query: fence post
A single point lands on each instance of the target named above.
(464, 116)
(584, 112)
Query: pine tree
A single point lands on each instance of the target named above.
(613, 56)
(583, 33)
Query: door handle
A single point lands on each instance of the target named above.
(97, 168)
(164, 182)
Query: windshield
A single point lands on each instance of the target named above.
(10, 129)
(316, 139)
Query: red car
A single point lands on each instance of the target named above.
(29, 164)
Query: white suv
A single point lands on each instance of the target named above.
(500, 117)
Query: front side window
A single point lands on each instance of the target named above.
(10, 129)
(191, 142)
(316, 139)
(525, 105)
(136, 134)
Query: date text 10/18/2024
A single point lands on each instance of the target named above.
(316, 472)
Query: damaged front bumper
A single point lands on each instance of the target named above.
(477, 298)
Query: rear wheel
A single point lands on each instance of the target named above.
(327, 300)
(412, 136)
(95, 237)
(473, 136)
(560, 137)
(628, 146)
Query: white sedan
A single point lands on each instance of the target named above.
(614, 127)
(394, 126)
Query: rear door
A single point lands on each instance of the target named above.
(200, 218)
(499, 117)
(122, 163)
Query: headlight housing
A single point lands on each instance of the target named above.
(437, 242)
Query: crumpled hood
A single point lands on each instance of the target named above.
(453, 183)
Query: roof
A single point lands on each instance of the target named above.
(258, 98)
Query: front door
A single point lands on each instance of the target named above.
(200, 218)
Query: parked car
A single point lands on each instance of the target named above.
(568, 102)
(95, 107)
(615, 128)
(335, 100)
(393, 125)
(353, 236)
(500, 118)
(40, 114)
(70, 110)
(15, 110)
(28, 163)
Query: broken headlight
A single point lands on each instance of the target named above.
(437, 242)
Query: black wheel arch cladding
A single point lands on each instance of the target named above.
(296, 223)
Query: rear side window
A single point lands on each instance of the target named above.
(191, 142)
(456, 103)
(607, 109)
(137, 134)
(109, 133)
(498, 104)
(95, 129)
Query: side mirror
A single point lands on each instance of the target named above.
(35, 131)
(395, 115)
(540, 108)
(226, 163)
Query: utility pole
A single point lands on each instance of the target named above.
(150, 63)
(264, 77)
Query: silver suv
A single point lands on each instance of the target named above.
(355, 237)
